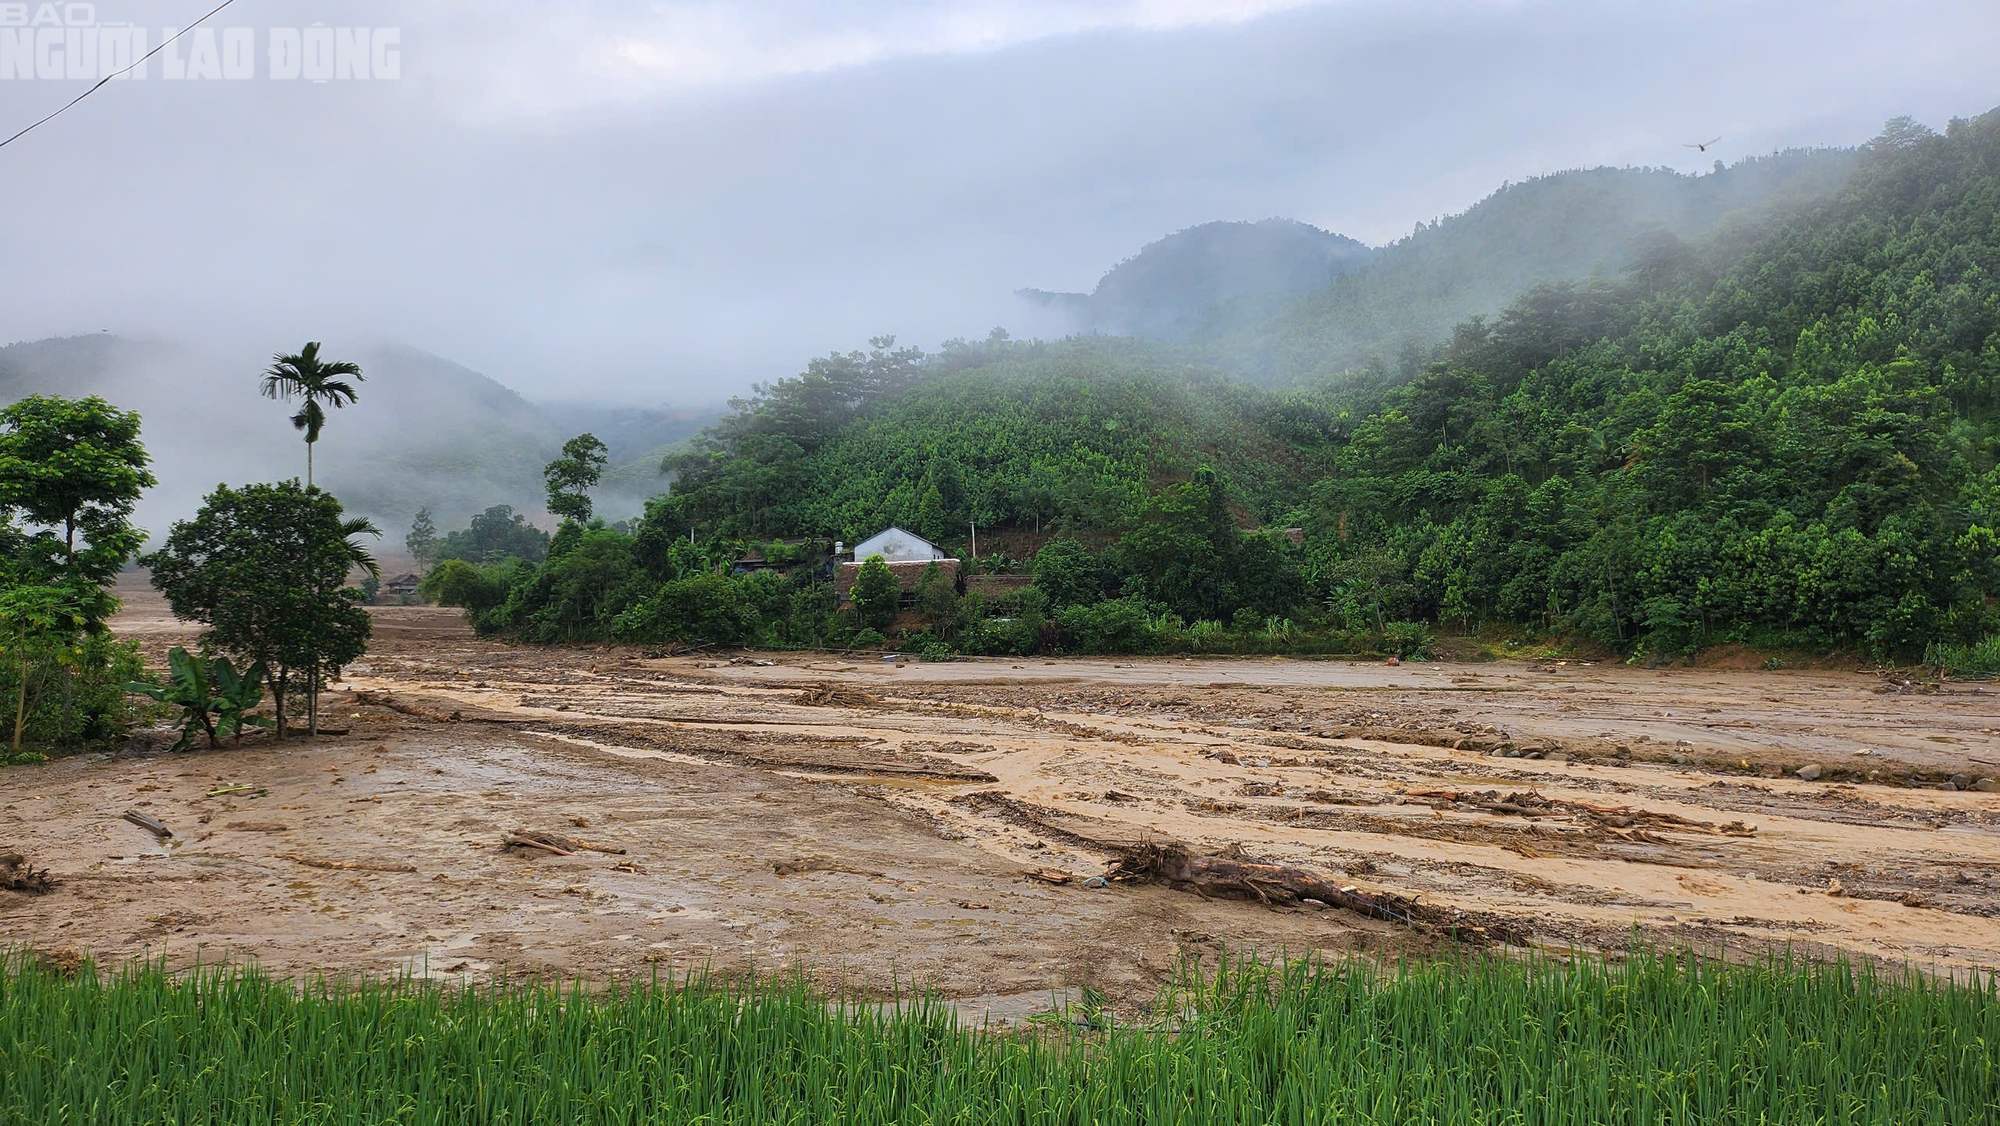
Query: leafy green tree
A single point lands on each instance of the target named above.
(876, 593)
(316, 381)
(938, 599)
(40, 627)
(265, 568)
(475, 589)
(422, 540)
(496, 534)
(1070, 574)
(75, 468)
(700, 608)
(571, 477)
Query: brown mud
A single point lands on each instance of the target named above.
(875, 820)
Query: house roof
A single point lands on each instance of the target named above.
(898, 545)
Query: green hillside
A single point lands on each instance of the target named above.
(1076, 432)
(1569, 226)
(1785, 435)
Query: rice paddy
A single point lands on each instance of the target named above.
(1646, 1039)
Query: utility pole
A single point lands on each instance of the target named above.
(975, 541)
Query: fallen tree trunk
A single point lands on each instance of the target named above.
(347, 865)
(149, 823)
(561, 846)
(1234, 876)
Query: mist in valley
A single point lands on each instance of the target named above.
(615, 217)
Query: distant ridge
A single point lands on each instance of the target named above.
(1178, 284)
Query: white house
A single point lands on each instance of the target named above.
(895, 545)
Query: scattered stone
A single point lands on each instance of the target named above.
(1986, 786)
(1810, 772)
(1959, 782)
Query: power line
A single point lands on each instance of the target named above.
(109, 77)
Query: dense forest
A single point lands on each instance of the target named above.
(1783, 435)
(1391, 312)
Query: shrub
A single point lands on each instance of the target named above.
(1410, 641)
(1113, 626)
(701, 608)
(867, 639)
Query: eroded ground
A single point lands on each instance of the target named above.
(874, 820)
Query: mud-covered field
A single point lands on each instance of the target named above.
(878, 820)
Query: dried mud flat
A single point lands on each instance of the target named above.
(874, 821)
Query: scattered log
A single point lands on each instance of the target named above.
(149, 823)
(346, 865)
(805, 864)
(1048, 876)
(1232, 875)
(831, 694)
(16, 874)
(560, 845)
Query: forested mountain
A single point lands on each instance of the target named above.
(1784, 434)
(425, 431)
(1189, 280)
(1283, 303)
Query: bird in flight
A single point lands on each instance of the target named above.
(1702, 145)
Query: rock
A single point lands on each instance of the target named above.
(1960, 781)
(1393, 661)
(1986, 786)
(1532, 754)
(1810, 772)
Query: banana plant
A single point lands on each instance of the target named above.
(236, 696)
(215, 700)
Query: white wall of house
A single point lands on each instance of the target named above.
(895, 545)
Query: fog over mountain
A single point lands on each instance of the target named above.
(424, 432)
(660, 203)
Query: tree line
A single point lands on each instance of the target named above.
(1784, 438)
(264, 568)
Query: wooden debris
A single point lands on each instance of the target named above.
(346, 865)
(559, 845)
(1048, 876)
(835, 695)
(1232, 875)
(258, 827)
(16, 874)
(149, 823)
(805, 864)
(968, 905)
(238, 788)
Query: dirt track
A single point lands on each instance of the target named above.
(875, 819)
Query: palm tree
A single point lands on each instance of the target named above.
(306, 376)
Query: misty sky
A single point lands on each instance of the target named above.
(660, 202)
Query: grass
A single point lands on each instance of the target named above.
(1651, 1039)
(1981, 658)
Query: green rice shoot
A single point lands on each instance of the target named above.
(1652, 1038)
